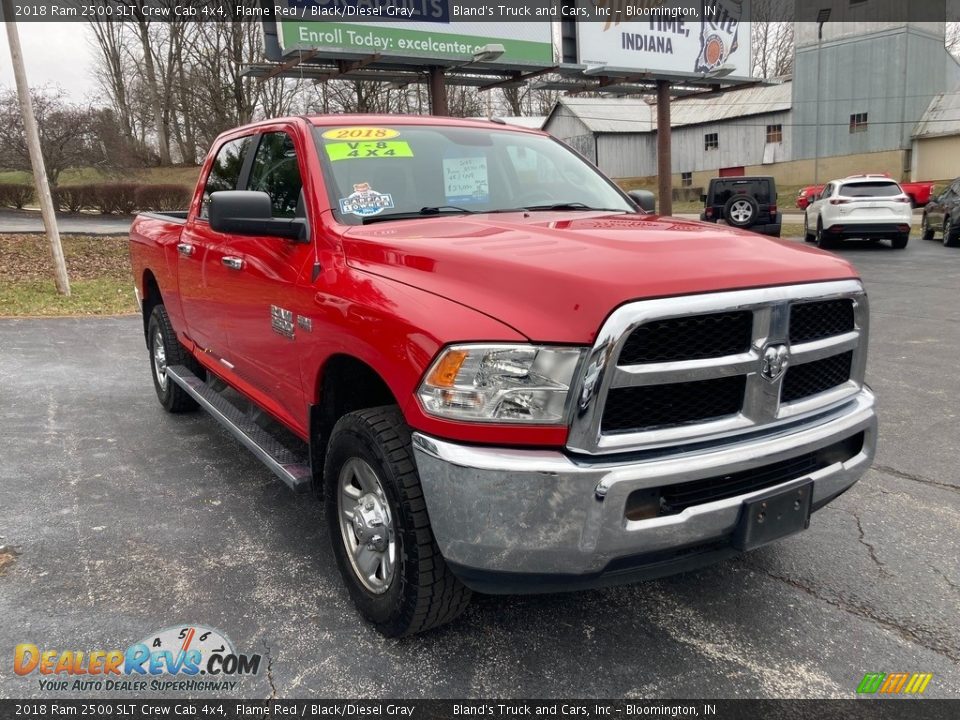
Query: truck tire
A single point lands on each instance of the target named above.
(380, 530)
(166, 350)
(899, 242)
(951, 233)
(926, 232)
(741, 211)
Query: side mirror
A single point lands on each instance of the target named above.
(248, 212)
(644, 199)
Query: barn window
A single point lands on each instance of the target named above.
(686, 179)
(711, 141)
(858, 122)
(774, 133)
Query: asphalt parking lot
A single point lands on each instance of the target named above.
(123, 520)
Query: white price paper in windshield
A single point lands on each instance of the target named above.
(465, 180)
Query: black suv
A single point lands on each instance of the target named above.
(743, 202)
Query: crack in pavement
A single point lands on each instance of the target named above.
(273, 688)
(942, 574)
(916, 478)
(863, 541)
(861, 611)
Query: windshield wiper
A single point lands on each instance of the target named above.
(429, 211)
(573, 206)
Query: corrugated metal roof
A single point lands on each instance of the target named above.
(611, 115)
(942, 117)
(635, 115)
(755, 100)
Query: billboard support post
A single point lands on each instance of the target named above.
(438, 92)
(664, 173)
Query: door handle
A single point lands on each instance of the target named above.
(234, 263)
(185, 249)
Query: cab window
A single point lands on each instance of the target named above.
(276, 173)
(225, 172)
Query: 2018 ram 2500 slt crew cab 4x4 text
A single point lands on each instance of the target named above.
(503, 375)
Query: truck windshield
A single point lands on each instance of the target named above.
(376, 173)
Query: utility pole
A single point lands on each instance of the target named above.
(664, 170)
(36, 156)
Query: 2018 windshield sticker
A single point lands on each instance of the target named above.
(364, 201)
(367, 149)
(465, 180)
(360, 133)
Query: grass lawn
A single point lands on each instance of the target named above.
(99, 269)
(179, 174)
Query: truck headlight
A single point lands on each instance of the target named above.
(500, 383)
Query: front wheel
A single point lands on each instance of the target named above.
(807, 235)
(380, 530)
(951, 233)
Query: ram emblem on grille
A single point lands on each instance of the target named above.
(775, 361)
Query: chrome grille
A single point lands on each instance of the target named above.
(677, 370)
(815, 320)
(688, 338)
(816, 377)
(645, 407)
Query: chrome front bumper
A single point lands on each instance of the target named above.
(500, 514)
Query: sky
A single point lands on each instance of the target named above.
(54, 53)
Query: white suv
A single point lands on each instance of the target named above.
(859, 206)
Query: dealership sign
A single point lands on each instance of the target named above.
(681, 37)
(402, 29)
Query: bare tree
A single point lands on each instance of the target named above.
(65, 138)
(771, 38)
(953, 39)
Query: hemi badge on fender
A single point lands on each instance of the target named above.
(305, 323)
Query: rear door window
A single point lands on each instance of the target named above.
(276, 173)
(225, 172)
(758, 189)
(870, 189)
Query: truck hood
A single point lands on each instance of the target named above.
(554, 277)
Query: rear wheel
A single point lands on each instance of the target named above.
(166, 350)
(951, 233)
(823, 240)
(900, 241)
(380, 530)
(926, 232)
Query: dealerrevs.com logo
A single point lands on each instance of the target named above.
(187, 658)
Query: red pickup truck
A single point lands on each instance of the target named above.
(918, 192)
(502, 374)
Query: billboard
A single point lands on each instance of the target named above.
(413, 31)
(669, 37)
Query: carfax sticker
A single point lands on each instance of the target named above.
(364, 201)
(360, 133)
(368, 149)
